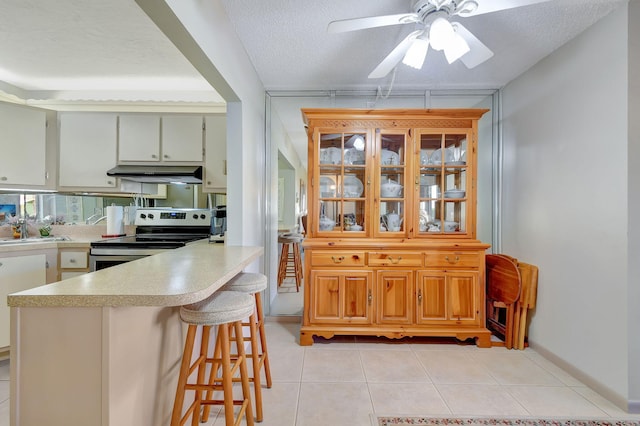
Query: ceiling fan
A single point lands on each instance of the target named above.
(433, 29)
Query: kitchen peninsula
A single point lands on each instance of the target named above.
(104, 348)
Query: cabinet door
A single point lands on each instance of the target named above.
(182, 138)
(17, 274)
(215, 154)
(446, 162)
(23, 142)
(340, 183)
(88, 144)
(394, 297)
(340, 296)
(447, 297)
(139, 138)
(392, 183)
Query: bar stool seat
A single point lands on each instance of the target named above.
(290, 264)
(255, 283)
(225, 309)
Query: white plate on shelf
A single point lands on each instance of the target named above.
(436, 157)
(331, 155)
(353, 156)
(389, 158)
(353, 187)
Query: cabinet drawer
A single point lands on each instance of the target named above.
(453, 260)
(73, 260)
(337, 258)
(395, 258)
(67, 275)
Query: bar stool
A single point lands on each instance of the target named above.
(254, 284)
(290, 260)
(225, 309)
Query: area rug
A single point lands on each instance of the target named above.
(479, 421)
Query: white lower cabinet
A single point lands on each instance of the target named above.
(72, 262)
(88, 146)
(18, 273)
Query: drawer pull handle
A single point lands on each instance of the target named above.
(337, 259)
(420, 296)
(454, 261)
(394, 261)
(369, 297)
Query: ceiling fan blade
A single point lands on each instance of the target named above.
(478, 53)
(395, 56)
(344, 25)
(497, 5)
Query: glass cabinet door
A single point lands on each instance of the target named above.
(443, 180)
(342, 166)
(392, 182)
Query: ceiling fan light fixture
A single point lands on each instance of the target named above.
(417, 53)
(440, 32)
(456, 48)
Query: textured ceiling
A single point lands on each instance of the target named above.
(109, 49)
(290, 48)
(76, 46)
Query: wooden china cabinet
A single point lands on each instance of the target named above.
(391, 246)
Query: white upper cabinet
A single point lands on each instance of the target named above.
(139, 138)
(88, 143)
(155, 138)
(23, 142)
(215, 172)
(182, 138)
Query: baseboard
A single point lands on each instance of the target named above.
(632, 407)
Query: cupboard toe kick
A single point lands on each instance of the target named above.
(481, 335)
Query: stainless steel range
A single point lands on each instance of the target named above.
(157, 230)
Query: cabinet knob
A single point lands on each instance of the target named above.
(109, 182)
(3, 178)
(72, 261)
(452, 261)
(166, 156)
(337, 259)
(370, 297)
(0, 263)
(154, 156)
(419, 296)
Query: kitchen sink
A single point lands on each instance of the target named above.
(12, 241)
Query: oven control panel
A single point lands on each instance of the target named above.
(172, 217)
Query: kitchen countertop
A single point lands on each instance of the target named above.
(172, 278)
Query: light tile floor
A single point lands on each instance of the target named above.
(345, 380)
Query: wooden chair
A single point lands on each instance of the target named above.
(526, 302)
(503, 291)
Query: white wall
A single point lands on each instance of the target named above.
(565, 200)
(634, 206)
(204, 34)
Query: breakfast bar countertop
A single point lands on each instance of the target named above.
(173, 278)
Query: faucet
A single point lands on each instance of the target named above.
(94, 218)
(24, 230)
(95, 222)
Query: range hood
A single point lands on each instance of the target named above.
(158, 174)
